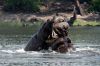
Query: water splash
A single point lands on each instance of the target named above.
(20, 50)
(7, 51)
(85, 48)
(79, 50)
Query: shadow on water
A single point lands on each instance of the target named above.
(85, 39)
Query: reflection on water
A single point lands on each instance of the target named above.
(85, 39)
(88, 35)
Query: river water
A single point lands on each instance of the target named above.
(85, 39)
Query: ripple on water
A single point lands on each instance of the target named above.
(75, 58)
(87, 43)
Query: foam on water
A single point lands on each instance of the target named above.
(88, 48)
(13, 51)
(32, 58)
(20, 50)
(7, 51)
(85, 48)
(35, 52)
(0, 46)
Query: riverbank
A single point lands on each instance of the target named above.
(24, 19)
(80, 22)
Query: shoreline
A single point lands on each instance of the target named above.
(23, 18)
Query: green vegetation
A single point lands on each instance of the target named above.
(79, 22)
(22, 5)
(96, 5)
(33, 5)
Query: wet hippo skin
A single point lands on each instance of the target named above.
(37, 42)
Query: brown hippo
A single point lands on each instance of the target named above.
(55, 30)
(60, 41)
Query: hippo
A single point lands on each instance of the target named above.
(37, 42)
(53, 34)
(60, 40)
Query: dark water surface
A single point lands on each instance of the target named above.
(85, 39)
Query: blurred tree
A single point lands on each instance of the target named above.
(78, 7)
(33, 5)
(96, 5)
(49, 3)
(22, 5)
(1, 2)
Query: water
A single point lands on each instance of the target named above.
(85, 39)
